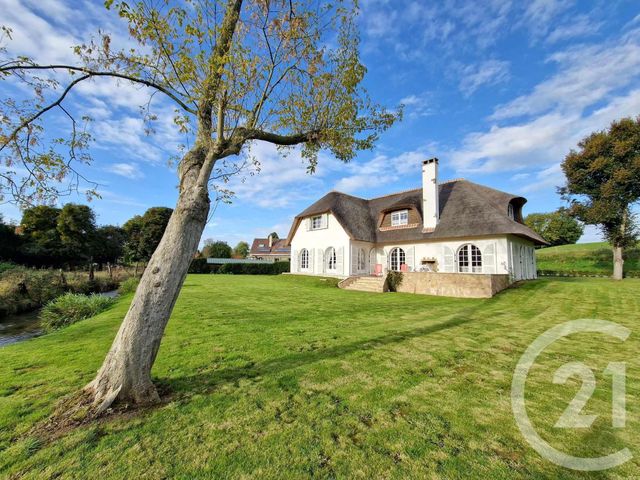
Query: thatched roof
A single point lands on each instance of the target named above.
(466, 210)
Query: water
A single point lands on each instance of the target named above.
(16, 328)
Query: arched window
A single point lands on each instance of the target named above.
(397, 258)
(304, 259)
(331, 259)
(469, 259)
(361, 259)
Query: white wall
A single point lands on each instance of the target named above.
(523, 259)
(317, 242)
(500, 255)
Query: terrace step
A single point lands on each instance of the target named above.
(363, 284)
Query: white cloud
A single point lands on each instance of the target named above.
(417, 106)
(540, 15)
(366, 174)
(586, 75)
(578, 26)
(490, 72)
(127, 170)
(281, 181)
(548, 178)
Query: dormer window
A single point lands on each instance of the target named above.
(401, 217)
(316, 222)
(511, 212)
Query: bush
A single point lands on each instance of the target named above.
(128, 286)
(71, 308)
(393, 281)
(255, 268)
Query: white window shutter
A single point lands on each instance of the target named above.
(308, 222)
(320, 261)
(410, 258)
(447, 253)
(295, 263)
(489, 259)
(312, 256)
(354, 259)
(340, 260)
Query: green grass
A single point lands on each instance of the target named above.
(289, 377)
(592, 258)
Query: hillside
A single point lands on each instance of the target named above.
(587, 258)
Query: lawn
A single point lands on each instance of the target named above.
(289, 377)
(588, 258)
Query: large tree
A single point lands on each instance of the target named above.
(285, 72)
(109, 244)
(216, 249)
(76, 225)
(9, 242)
(144, 233)
(603, 184)
(41, 239)
(241, 250)
(557, 228)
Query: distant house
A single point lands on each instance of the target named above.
(270, 249)
(456, 227)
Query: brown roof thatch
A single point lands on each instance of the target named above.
(466, 209)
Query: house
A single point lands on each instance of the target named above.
(453, 227)
(270, 248)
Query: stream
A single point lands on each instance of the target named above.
(16, 328)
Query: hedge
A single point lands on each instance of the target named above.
(200, 265)
(576, 273)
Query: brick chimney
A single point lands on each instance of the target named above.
(430, 201)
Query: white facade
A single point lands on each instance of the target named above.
(508, 254)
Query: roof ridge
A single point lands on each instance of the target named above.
(414, 189)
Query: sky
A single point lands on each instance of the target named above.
(500, 91)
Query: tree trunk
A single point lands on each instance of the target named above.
(618, 263)
(125, 375)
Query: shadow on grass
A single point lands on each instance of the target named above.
(208, 380)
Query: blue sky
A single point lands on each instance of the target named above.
(499, 91)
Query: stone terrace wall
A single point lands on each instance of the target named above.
(466, 285)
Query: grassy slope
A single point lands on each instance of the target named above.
(284, 377)
(585, 257)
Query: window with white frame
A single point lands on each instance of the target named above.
(316, 222)
(332, 259)
(401, 217)
(397, 258)
(361, 259)
(469, 259)
(304, 259)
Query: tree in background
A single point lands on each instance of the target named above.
(154, 223)
(557, 228)
(603, 184)
(76, 225)
(241, 250)
(144, 233)
(41, 238)
(10, 242)
(216, 249)
(286, 72)
(109, 243)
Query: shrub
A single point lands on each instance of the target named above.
(71, 308)
(393, 281)
(128, 286)
(200, 265)
(255, 268)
